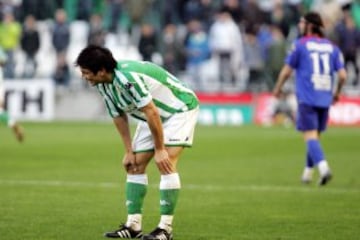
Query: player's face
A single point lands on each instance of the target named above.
(92, 78)
(301, 26)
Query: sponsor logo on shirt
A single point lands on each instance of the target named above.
(174, 139)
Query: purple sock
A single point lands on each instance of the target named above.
(315, 151)
(309, 161)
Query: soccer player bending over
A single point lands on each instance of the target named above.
(315, 61)
(167, 112)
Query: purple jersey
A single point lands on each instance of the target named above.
(315, 61)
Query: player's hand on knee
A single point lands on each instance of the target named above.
(163, 162)
(129, 163)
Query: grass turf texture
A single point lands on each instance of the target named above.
(66, 182)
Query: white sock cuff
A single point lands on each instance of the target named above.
(170, 181)
(137, 178)
(11, 122)
(166, 222)
(323, 167)
(134, 221)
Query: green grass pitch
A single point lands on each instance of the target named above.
(66, 182)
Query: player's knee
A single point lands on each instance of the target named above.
(135, 169)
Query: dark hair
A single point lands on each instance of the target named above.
(316, 21)
(96, 58)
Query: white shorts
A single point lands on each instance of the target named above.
(178, 131)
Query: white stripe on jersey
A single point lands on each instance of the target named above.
(165, 95)
(137, 78)
(110, 105)
(170, 81)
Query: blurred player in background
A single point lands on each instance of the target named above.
(4, 116)
(167, 112)
(315, 61)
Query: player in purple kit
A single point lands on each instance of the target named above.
(315, 61)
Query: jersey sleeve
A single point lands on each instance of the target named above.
(339, 60)
(293, 55)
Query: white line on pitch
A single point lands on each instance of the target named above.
(197, 187)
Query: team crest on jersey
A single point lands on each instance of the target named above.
(128, 86)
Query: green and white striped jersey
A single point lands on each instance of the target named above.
(136, 83)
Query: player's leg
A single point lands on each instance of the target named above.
(317, 155)
(17, 129)
(314, 154)
(136, 188)
(323, 166)
(302, 124)
(169, 192)
(6, 119)
(311, 121)
(178, 131)
(136, 184)
(307, 175)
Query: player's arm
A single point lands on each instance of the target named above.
(342, 75)
(160, 154)
(284, 75)
(155, 125)
(122, 125)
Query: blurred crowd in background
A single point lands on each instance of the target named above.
(214, 45)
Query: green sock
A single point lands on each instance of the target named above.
(168, 200)
(135, 194)
(4, 117)
(169, 193)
